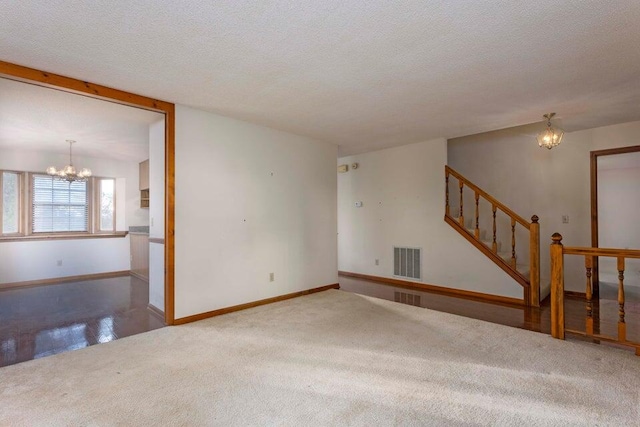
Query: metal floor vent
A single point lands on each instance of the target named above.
(409, 299)
(407, 262)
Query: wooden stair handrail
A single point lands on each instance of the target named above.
(489, 197)
(558, 328)
(606, 252)
(532, 283)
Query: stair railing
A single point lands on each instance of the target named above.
(558, 329)
(530, 283)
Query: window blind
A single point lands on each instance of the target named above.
(59, 206)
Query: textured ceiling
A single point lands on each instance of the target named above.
(40, 119)
(361, 74)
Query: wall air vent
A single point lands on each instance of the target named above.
(407, 262)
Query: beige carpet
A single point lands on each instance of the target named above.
(332, 358)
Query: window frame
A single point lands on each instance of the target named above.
(25, 208)
(94, 209)
(21, 203)
(88, 196)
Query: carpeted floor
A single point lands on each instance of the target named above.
(332, 358)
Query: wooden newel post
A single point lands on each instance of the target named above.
(557, 287)
(534, 262)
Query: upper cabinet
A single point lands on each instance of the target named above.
(144, 184)
(144, 175)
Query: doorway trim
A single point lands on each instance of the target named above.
(594, 202)
(79, 87)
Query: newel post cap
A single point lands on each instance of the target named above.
(535, 219)
(557, 238)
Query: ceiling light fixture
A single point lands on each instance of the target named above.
(68, 173)
(551, 136)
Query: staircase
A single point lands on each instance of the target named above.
(501, 221)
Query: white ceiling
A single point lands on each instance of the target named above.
(40, 119)
(361, 74)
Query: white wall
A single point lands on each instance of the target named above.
(618, 208)
(156, 213)
(402, 191)
(156, 275)
(25, 261)
(549, 183)
(156, 179)
(250, 201)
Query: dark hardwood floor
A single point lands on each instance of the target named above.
(533, 319)
(40, 321)
(44, 320)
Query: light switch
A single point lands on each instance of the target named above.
(565, 219)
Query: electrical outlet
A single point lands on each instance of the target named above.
(377, 262)
(565, 219)
(59, 263)
(272, 277)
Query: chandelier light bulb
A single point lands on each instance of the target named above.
(551, 136)
(69, 173)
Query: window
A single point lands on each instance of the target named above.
(59, 206)
(47, 207)
(10, 202)
(106, 202)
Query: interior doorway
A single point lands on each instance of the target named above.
(106, 305)
(615, 203)
(92, 90)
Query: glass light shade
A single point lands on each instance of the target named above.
(550, 137)
(85, 172)
(52, 170)
(69, 170)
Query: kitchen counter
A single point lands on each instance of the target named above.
(139, 229)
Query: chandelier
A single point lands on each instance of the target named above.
(68, 173)
(551, 136)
